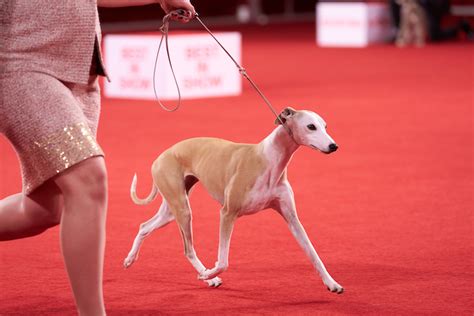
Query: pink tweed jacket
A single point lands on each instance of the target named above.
(57, 37)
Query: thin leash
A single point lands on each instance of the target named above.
(165, 30)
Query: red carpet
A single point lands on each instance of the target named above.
(390, 213)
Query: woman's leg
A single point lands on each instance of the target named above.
(84, 189)
(28, 215)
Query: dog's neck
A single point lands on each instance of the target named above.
(279, 147)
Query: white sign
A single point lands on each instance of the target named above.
(352, 24)
(202, 68)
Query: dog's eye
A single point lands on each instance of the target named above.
(311, 127)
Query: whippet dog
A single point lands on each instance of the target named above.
(243, 178)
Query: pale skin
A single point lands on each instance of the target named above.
(75, 199)
(166, 5)
(243, 178)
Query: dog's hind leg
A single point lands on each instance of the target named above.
(184, 220)
(174, 186)
(161, 218)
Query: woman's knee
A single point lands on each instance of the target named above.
(45, 203)
(88, 178)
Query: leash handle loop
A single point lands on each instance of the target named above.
(165, 30)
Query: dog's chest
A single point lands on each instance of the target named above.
(260, 196)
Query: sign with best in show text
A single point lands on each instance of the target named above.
(202, 68)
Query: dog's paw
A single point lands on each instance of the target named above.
(204, 275)
(128, 262)
(335, 288)
(216, 282)
(211, 273)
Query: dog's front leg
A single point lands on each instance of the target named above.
(286, 207)
(227, 221)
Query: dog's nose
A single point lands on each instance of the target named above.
(333, 147)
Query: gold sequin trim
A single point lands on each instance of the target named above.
(62, 150)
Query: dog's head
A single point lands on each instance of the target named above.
(308, 129)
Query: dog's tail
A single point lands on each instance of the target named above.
(136, 199)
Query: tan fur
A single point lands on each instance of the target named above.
(206, 158)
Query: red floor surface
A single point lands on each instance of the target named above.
(390, 213)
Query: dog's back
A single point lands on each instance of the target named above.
(213, 161)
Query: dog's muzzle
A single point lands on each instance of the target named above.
(333, 148)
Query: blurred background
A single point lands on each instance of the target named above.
(235, 12)
(231, 12)
(390, 213)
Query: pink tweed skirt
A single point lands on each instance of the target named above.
(51, 124)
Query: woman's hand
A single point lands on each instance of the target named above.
(172, 5)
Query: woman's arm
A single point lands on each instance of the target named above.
(167, 5)
(124, 3)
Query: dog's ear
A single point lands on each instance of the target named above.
(287, 113)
